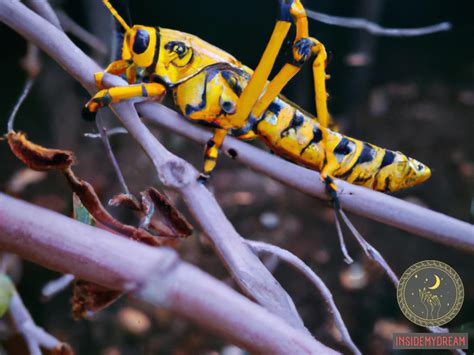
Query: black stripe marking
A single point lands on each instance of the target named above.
(295, 123)
(151, 69)
(210, 74)
(144, 92)
(344, 147)
(317, 137)
(249, 126)
(210, 143)
(387, 184)
(366, 155)
(362, 180)
(388, 158)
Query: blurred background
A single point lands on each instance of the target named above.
(415, 95)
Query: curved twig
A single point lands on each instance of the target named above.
(34, 336)
(375, 29)
(263, 248)
(88, 38)
(24, 94)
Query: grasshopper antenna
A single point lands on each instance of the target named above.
(117, 16)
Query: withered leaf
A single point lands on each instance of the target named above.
(92, 203)
(126, 200)
(89, 298)
(37, 157)
(168, 215)
(165, 219)
(63, 349)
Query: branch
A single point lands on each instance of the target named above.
(88, 38)
(247, 270)
(34, 336)
(24, 94)
(44, 9)
(261, 248)
(358, 200)
(52, 288)
(157, 275)
(375, 29)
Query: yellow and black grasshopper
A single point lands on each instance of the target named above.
(212, 87)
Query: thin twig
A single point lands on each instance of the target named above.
(44, 9)
(157, 275)
(24, 94)
(88, 38)
(110, 153)
(52, 288)
(375, 29)
(374, 254)
(110, 132)
(342, 243)
(370, 251)
(35, 336)
(263, 248)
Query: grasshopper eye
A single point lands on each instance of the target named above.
(142, 40)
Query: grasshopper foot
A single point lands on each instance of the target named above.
(331, 190)
(203, 178)
(88, 115)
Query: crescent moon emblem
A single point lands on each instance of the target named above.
(436, 284)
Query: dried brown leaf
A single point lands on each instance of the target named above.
(92, 203)
(167, 221)
(168, 217)
(37, 157)
(127, 200)
(89, 298)
(63, 349)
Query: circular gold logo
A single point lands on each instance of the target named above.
(430, 293)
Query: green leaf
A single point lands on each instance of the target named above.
(6, 293)
(81, 213)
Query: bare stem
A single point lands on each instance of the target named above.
(24, 94)
(261, 248)
(342, 243)
(35, 336)
(375, 29)
(88, 38)
(370, 251)
(110, 132)
(110, 153)
(52, 288)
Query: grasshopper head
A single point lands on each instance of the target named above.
(139, 45)
(401, 172)
(139, 42)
